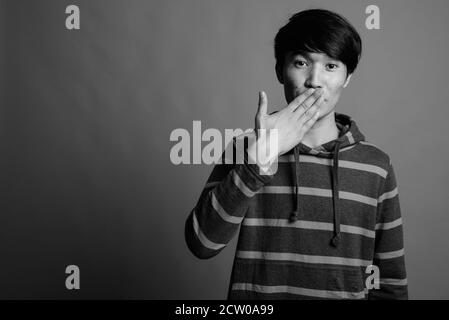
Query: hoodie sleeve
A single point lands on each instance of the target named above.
(389, 244)
(217, 216)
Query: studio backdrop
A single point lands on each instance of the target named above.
(86, 117)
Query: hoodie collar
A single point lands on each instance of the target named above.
(349, 134)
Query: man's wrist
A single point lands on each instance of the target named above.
(263, 151)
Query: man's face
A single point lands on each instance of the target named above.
(314, 70)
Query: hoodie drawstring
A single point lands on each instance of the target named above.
(335, 193)
(295, 214)
(335, 196)
(349, 134)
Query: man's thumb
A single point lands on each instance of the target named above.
(263, 105)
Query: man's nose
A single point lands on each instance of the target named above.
(313, 79)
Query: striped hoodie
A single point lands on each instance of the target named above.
(310, 230)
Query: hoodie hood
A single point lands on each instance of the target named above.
(349, 135)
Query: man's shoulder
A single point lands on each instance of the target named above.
(370, 153)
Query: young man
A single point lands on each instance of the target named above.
(331, 209)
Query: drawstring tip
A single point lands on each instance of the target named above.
(294, 216)
(336, 240)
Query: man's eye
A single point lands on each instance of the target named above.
(300, 63)
(332, 66)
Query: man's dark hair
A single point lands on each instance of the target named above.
(319, 31)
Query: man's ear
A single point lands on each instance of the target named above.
(279, 73)
(347, 80)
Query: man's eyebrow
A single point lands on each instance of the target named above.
(308, 56)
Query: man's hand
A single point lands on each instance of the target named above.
(293, 121)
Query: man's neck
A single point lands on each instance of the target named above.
(324, 130)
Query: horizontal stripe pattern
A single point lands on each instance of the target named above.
(287, 256)
(389, 225)
(223, 214)
(393, 282)
(341, 164)
(366, 143)
(388, 195)
(298, 291)
(203, 239)
(311, 225)
(314, 192)
(306, 242)
(241, 185)
(280, 206)
(363, 167)
(347, 148)
(278, 258)
(389, 255)
(321, 193)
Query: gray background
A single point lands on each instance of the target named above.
(86, 116)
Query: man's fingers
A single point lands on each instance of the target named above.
(261, 110)
(300, 99)
(310, 122)
(313, 108)
(309, 102)
(311, 112)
